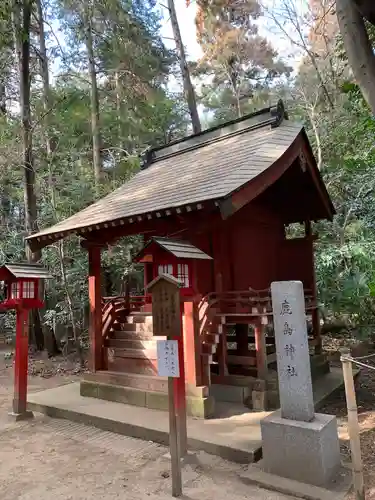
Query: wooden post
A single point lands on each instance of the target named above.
(167, 321)
(223, 348)
(242, 339)
(95, 322)
(192, 345)
(21, 366)
(317, 333)
(315, 313)
(181, 401)
(261, 351)
(353, 425)
(173, 441)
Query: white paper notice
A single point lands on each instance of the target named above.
(167, 354)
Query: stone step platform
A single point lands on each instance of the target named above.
(125, 334)
(147, 354)
(140, 317)
(137, 326)
(238, 388)
(319, 365)
(233, 433)
(134, 380)
(131, 343)
(155, 396)
(132, 365)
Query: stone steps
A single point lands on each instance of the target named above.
(132, 335)
(198, 405)
(140, 317)
(121, 343)
(133, 380)
(133, 327)
(132, 365)
(148, 353)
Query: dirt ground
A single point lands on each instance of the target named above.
(47, 459)
(365, 393)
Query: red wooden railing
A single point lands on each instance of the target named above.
(254, 307)
(116, 309)
(212, 312)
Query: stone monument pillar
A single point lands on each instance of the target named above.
(297, 442)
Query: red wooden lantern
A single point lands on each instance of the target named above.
(173, 257)
(21, 286)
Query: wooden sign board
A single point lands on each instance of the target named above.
(166, 316)
(167, 357)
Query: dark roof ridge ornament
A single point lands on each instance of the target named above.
(146, 157)
(279, 112)
(270, 116)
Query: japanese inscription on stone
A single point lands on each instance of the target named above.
(167, 357)
(292, 350)
(165, 308)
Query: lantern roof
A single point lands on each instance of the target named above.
(24, 270)
(178, 248)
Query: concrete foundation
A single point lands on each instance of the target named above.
(234, 434)
(196, 406)
(308, 452)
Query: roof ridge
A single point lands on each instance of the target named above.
(277, 114)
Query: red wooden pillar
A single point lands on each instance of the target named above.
(261, 351)
(223, 348)
(192, 345)
(315, 312)
(242, 339)
(21, 366)
(95, 321)
(219, 259)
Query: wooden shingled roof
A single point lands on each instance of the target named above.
(180, 249)
(27, 271)
(206, 166)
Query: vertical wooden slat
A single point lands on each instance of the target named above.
(317, 332)
(192, 344)
(261, 351)
(242, 339)
(223, 348)
(315, 313)
(95, 321)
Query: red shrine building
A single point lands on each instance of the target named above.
(213, 209)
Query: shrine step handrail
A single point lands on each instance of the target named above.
(115, 309)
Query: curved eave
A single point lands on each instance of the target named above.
(255, 187)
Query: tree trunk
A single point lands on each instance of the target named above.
(3, 102)
(50, 340)
(358, 48)
(188, 86)
(21, 16)
(95, 126)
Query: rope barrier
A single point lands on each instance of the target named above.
(365, 357)
(354, 360)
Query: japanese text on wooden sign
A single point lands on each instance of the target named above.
(166, 309)
(167, 358)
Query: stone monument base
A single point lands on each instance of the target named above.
(304, 451)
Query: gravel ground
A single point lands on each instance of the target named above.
(54, 459)
(365, 393)
(47, 459)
